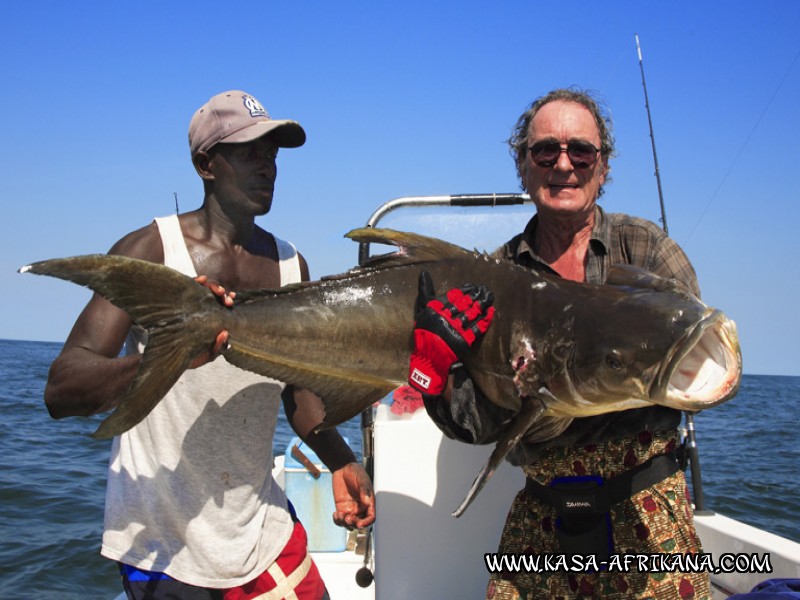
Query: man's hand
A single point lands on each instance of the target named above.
(354, 497)
(444, 330)
(221, 341)
(225, 297)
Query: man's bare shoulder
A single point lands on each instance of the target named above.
(143, 243)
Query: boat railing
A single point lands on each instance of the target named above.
(455, 200)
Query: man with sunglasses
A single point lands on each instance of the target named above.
(562, 145)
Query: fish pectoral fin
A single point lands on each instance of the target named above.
(345, 393)
(531, 410)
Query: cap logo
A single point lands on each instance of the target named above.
(255, 108)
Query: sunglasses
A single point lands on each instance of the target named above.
(582, 155)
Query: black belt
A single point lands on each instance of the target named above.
(582, 503)
(618, 488)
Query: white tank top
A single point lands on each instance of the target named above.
(190, 490)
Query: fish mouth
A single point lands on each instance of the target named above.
(703, 368)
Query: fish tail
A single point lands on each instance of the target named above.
(181, 317)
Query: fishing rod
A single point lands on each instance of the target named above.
(652, 139)
(690, 439)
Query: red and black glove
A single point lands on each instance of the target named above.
(444, 330)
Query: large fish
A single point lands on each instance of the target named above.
(556, 349)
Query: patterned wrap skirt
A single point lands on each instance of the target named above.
(657, 520)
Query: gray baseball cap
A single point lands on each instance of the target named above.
(237, 117)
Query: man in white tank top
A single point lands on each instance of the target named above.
(192, 510)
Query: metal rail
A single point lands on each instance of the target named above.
(364, 576)
(490, 200)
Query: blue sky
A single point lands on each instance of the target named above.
(400, 99)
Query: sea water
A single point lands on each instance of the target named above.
(52, 475)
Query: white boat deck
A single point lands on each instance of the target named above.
(423, 552)
(721, 535)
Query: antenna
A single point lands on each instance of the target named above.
(652, 139)
(177, 212)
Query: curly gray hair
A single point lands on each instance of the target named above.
(518, 142)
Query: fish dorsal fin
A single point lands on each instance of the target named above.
(411, 247)
(636, 277)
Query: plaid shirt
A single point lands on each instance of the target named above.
(616, 239)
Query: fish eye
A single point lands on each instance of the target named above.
(614, 360)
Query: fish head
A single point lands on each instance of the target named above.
(636, 348)
(703, 367)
